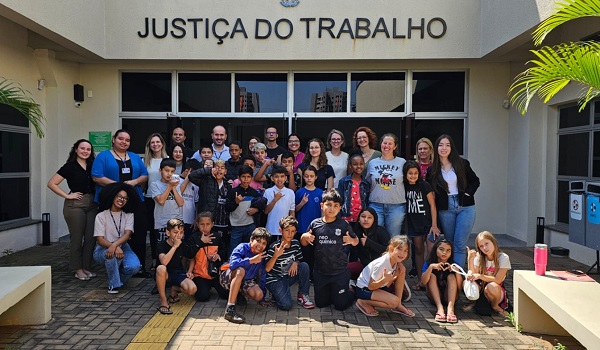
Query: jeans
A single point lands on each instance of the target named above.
(390, 216)
(456, 224)
(281, 288)
(240, 234)
(119, 271)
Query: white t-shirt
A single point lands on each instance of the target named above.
(490, 269)
(190, 197)
(169, 210)
(105, 226)
(451, 180)
(375, 271)
(153, 173)
(339, 165)
(281, 209)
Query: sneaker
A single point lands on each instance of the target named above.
(412, 272)
(305, 301)
(406, 294)
(233, 316)
(113, 290)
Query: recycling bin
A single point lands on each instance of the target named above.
(577, 205)
(592, 227)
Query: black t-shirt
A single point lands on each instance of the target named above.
(331, 255)
(418, 211)
(125, 170)
(272, 153)
(78, 179)
(323, 174)
(176, 262)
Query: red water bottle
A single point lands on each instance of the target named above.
(540, 258)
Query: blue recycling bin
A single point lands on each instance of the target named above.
(577, 217)
(592, 227)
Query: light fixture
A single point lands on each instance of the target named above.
(41, 84)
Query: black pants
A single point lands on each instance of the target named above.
(333, 289)
(138, 239)
(203, 288)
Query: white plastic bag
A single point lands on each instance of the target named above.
(470, 288)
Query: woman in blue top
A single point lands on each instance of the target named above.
(119, 165)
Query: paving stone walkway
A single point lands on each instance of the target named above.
(85, 317)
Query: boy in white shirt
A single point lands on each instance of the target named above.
(281, 201)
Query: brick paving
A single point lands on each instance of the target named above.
(83, 317)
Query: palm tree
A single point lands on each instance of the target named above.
(14, 95)
(557, 66)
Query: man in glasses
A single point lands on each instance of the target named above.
(273, 149)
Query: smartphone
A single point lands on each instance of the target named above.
(576, 272)
(431, 237)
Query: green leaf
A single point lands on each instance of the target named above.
(14, 95)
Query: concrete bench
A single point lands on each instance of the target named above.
(25, 295)
(549, 305)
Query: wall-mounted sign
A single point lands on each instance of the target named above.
(101, 140)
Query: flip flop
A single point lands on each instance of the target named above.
(165, 309)
(408, 312)
(173, 299)
(468, 307)
(418, 288)
(451, 318)
(440, 317)
(369, 314)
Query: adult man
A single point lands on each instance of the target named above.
(273, 149)
(178, 136)
(220, 150)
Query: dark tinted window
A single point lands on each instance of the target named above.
(15, 199)
(439, 92)
(432, 129)
(573, 154)
(563, 202)
(140, 129)
(570, 117)
(377, 92)
(204, 92)
(11, 116)
(14, 152)
(320, 92)
(264, 93)
(146, 92)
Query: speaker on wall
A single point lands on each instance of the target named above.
(78, 93)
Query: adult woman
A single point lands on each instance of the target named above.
(177, 153)
(294, 147)
(154, 154)
(112, 230)
(251, 143)
(424, 155)
(337, 158)
(454, 184)
(79, 208)
(315, 151)
(365, 139)
(373, 239)
(387, 186)
(120, 165)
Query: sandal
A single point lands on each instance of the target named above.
(418, 288)
(440, 317)
(165, 309)
(407, 312)
(468, 307)
(173, 299)
(451, 318)
(364, 311)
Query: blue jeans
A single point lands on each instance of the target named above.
(119, 271)
(240, 234)
(456, 224)
(390, 216)
(281, 288)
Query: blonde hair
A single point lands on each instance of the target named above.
(398, 241)
(148, 155)
(482, 257)
(430, 144)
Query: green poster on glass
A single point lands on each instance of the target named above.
(101, 140)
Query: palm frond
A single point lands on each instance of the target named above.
(14, 95)
(567, 10)
(556, 67)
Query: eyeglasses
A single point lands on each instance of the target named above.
(336, 140)
(125, 199)
(293, 141)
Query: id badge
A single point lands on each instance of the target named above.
(125, 170)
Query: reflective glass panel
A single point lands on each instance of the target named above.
(573, 154)
(11, 116)
(14, 152)
(146, 92)
(432, 129)
(439, 92)
(140, 129)
(204, 92)
(261, 93)
(570, 117)
(14, 202)
(320, 92)
(377, 92)
(563, 202)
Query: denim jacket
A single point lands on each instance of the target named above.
(344, 188)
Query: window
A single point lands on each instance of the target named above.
(146, 92)
(433, 128)
(438, 92)
(261, 93)
(14, 165)
(320, 92)
(378, 92)
(578, 151)
(204, 92)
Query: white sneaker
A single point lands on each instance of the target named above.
(112, 290)
(305, 301)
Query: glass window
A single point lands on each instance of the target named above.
(596, 157)
(320, 92)
(13, 189)
(439, 92)
(377, 92)
(433, 128)
(597, 112)
(14, 152)
(563, 202)
(570, 117)
(261, 93)
(573, 154)
(146, 92)
(204, 92)
(140, 129)
(11, 116)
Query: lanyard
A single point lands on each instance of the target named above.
(114, 222)
(124, 160)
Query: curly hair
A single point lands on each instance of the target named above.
(73, 152)
(110, 191)
(322, 156)
(370, 134)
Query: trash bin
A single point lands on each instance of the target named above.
(577, 219)
(592, 232)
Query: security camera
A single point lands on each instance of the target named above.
(77, 104)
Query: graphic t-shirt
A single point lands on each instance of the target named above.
(385, 176)
(282, 264)
(418, 211)
(490, 269)
(355, 202)
(331, 256)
